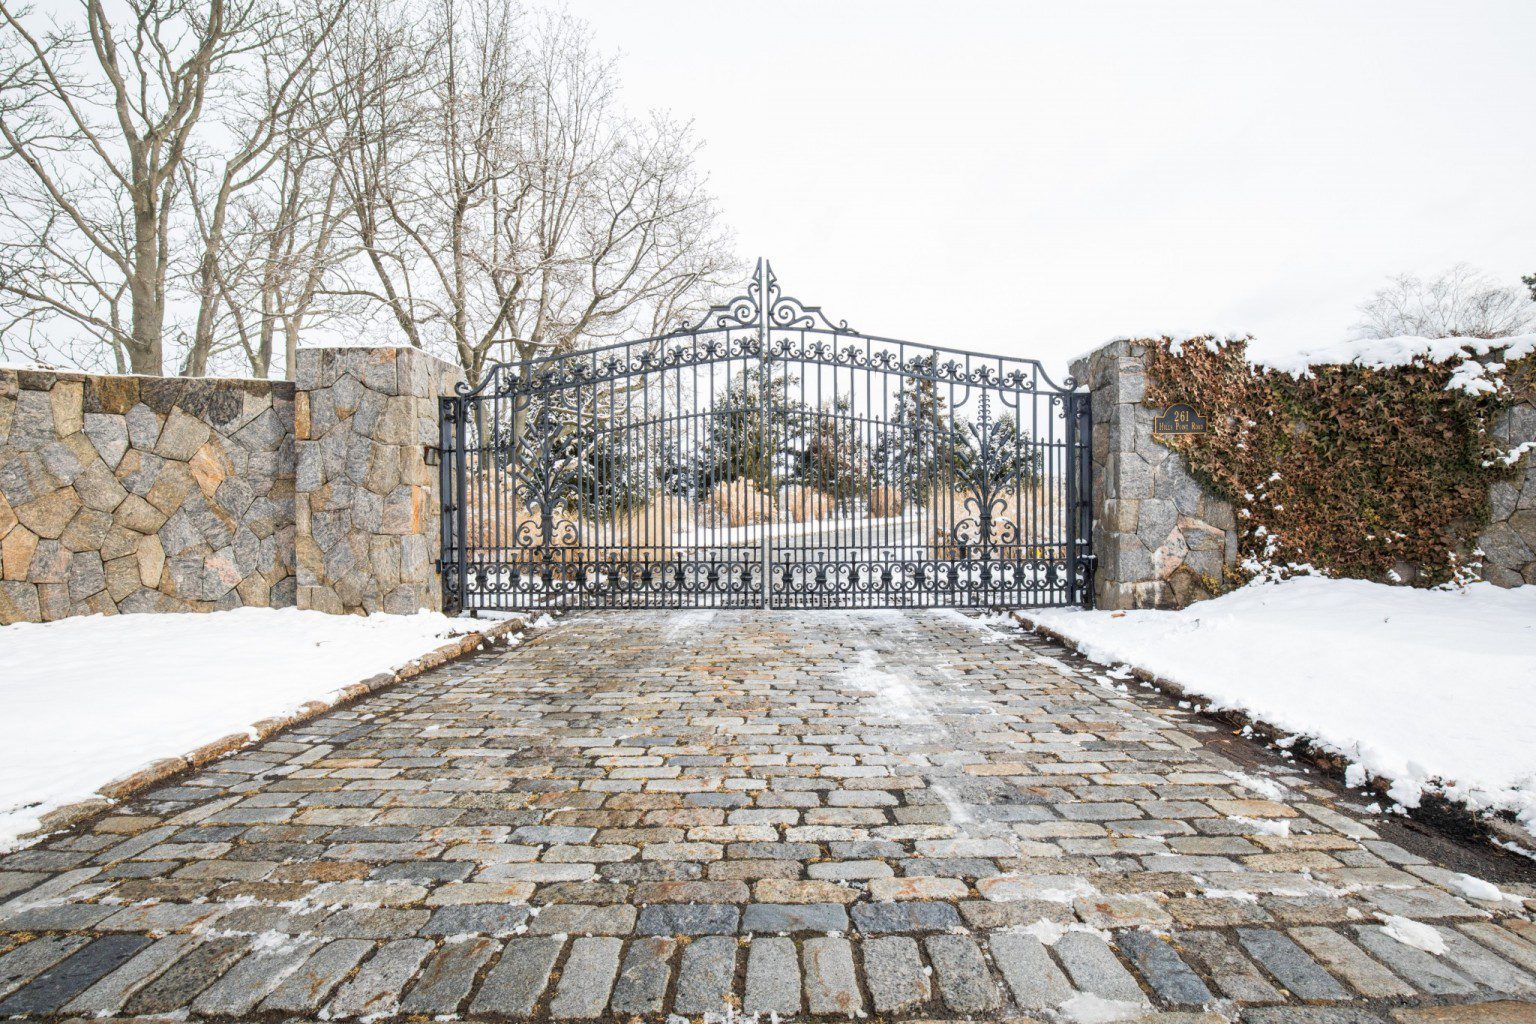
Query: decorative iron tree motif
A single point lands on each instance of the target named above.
(545, 475)
(991, 476)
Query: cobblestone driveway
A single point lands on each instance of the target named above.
(892, 814)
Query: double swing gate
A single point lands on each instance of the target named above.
(765, 457)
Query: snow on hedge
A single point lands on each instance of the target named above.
(1378, 353)
(1431, 689)
(87, 700)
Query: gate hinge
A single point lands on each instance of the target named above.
(432, 454)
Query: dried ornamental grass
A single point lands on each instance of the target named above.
(650, 531)
(802, 504)
(740, 502)
(886, 502)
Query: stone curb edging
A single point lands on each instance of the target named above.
(120, 789)
(1435, 810)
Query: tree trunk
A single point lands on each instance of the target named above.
(146, 291)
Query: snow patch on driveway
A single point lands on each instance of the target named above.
(91, 699)
(1430, 689)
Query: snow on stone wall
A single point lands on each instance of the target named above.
(131, 494)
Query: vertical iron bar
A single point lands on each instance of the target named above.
(1070, 471)
(447, 554)
(1085, 492)
(765, 374)
(460, 511)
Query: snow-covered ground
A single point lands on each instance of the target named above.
(1433, 690)
(87, 700)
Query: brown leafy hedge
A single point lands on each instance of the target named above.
(1360, 472)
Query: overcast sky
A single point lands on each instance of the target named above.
(1034, 178)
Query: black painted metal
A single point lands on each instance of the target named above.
(861, 471)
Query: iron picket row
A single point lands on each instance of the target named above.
(765, 456)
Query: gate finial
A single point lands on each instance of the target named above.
(765, 301)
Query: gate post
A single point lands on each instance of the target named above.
(367, 493)
(1158, 534)
(1080, 518)
(450, 472)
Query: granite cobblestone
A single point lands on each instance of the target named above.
(632, 816)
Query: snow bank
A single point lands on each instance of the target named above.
(1380, 353)
(87, 700)
(1431, 689)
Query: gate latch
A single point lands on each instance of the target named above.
(431, 454)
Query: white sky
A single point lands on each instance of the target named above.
(1033, 178)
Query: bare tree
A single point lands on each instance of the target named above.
(96, 125)
(209, 180)
(269, 125)
(507, 201)
(1462, 302)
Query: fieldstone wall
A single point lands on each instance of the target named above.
(1162, 539)
(130, 494)
(368, 502)
(1508, 546)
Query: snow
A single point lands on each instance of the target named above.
(1385, 352)
(1429, 689)
(1379, 353)
(1414, 933)
(1087, 1008)
(91, 699)
(1481, 889)
(1472, 376)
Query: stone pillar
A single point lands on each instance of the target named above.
(1508, 545)
(1162, 539)
(368, 506)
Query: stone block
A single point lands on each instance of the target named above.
(99, 489)
(264, 433)
(181, 436)
(87, 531)
(53, 601)
(209, 467)
(150, 556)
(18, 602)
(122, 576)
(49, 515)
(50, 563)
(172, 484)
(17, 548)
(65, 404)
(143, 427)
(61, 463)
(112, 396)
(87, 576)
(137, 471)
(31, 421)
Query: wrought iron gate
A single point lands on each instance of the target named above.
(766, 456)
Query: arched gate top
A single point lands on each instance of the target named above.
(795, 332)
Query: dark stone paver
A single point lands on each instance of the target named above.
(59, 984)
(639, 814)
